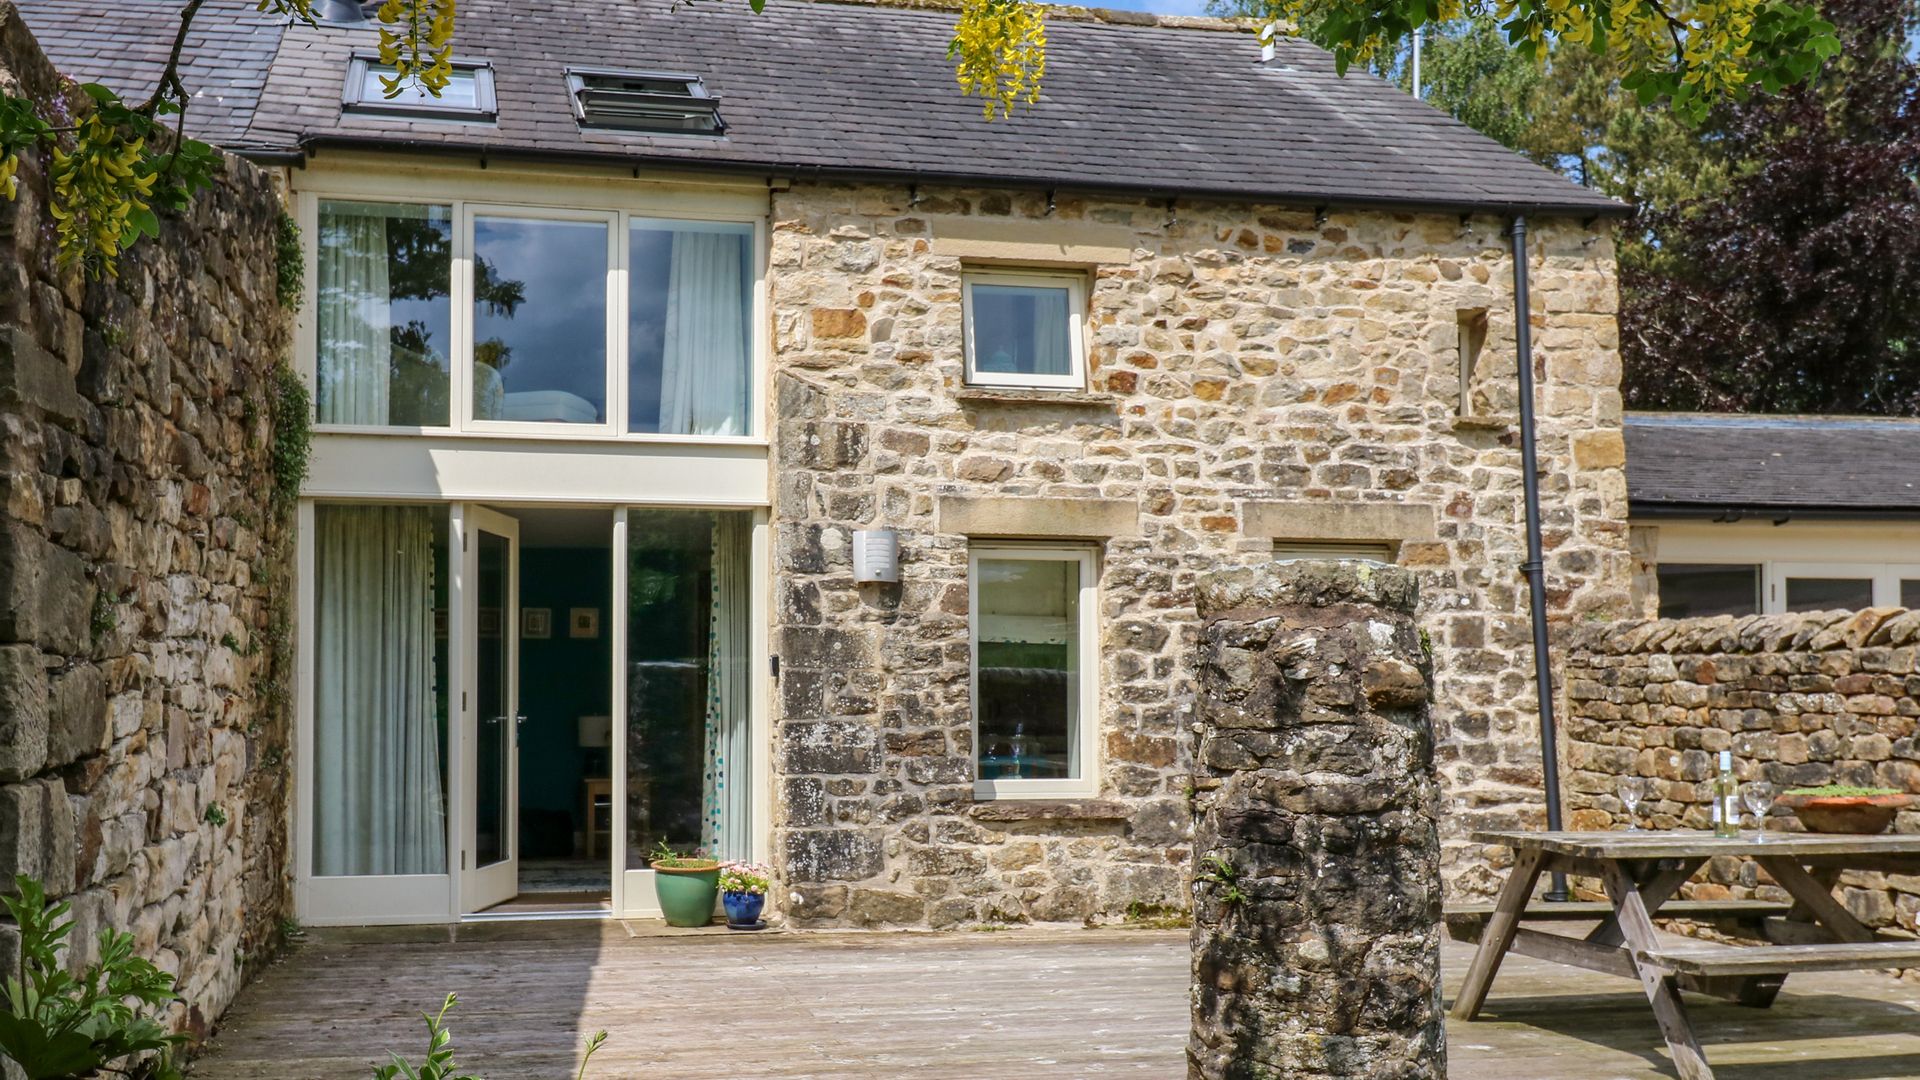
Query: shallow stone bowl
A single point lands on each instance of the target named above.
(1861, 815)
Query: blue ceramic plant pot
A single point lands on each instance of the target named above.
(743, 908)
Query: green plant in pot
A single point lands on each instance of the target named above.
(686, 885)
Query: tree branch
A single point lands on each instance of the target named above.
(1674, 26)
(170, 75)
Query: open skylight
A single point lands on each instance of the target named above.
(643, 101)
(468, 94)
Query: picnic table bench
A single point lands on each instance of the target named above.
(1641, 872)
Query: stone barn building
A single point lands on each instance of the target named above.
(728, 444)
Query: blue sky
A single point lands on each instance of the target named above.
(1158, 7)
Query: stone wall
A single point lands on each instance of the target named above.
(1316, 941)
(142, 748)
(1253, 368)
(1800, 700)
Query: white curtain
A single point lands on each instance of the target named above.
(377, 802)
(354, 312)
(1051, 338)
(703, 378)
(726, 819)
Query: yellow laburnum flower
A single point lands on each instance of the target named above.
(1001, 51)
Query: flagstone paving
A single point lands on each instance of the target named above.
(966, 1006)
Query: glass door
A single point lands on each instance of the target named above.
(683, 625)
(489, 863)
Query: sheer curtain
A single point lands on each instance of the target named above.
(726, 820)
(703, 383)
(1051, 336)
(354, 314)
(377, 800)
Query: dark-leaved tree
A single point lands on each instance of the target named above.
(1797, 287)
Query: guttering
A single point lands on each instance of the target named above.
(1534, 568)
(311, 144)
(1765, 512)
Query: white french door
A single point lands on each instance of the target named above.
(490, 709)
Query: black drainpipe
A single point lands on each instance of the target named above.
(1536, 575)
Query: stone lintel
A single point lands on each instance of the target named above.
(1378, 523)
(1032, 243)
(1051, 810)
(1038, 516)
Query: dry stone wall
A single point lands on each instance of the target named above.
(1316, 937)
(142, 746)
(1800, 699)
(1238, 353)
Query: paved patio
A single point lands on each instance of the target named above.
(973, 1006)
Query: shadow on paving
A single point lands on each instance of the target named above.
(338, 1003)
(1035, 1004)
(1803, 1036)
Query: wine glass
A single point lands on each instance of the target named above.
(1757, 796)
(1631, 790)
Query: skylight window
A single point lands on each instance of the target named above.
(643, 101)
(468, 94)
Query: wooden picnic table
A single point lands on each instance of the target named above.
(1641, 872)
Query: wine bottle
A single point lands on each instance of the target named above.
(1726, 808)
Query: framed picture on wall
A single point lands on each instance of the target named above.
(583, 622)
(536, 623)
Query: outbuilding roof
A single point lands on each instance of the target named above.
(1132, 103)
(124, 44)
(1687, 462)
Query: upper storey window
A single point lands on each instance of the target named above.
(533, 321)
(1025, 330)
(383, 317)
(468, 94)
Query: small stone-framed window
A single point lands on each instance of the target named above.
(1034, 671)
(1025, 330)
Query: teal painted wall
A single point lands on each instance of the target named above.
(562, 678)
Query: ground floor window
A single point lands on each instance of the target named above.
(380, 699)
(1690, 590)
(1033, 670)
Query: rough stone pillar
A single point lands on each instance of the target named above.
(1316, 944)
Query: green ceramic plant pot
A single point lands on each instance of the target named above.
(687, 893)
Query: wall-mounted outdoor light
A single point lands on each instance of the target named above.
(876, 555)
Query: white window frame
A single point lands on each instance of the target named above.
(1086, 704)
(402, 191)
(615, 355)
(1076, 286)
(1886, 578)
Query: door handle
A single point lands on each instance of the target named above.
(519, 720)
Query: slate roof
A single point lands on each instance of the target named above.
(1686, 461)
(862, 91)
(124, 44)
